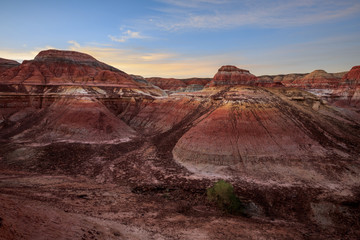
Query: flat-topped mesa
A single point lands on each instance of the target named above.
(57, 55)
(230, 68)
(5, 64)
(231, 75)
(71, 57)
(58, 67)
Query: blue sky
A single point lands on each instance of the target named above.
(186, 38)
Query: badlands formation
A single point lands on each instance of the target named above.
(90, 152)
(6, 64)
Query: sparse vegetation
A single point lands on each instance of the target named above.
(222, 193)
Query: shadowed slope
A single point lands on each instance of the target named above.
(77, 120)
(6, 64)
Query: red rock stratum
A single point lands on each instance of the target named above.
(231, 75)
(90, 152)
(179, 85)
(55, 67)
(319, 79)
(5, 64)
(348, 92)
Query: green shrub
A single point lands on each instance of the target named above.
(222, 193)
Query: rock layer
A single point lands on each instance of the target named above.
(6, 64)
(66, 92)
(171, 84)
(289, 155)
(348, 93)
(179, 85)
(231, 75)
(261, 128)
(352, 78)
(318, 79)
(82, 120)
(55, 67)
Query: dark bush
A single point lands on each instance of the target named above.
(222, 193)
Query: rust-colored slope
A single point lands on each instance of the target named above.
(348, 93)
(158, 116)
(171, 84)
(82, 119)
(318, 79)
(179, 85)
(57, 67)
(231, 75)
(6, 64)
(262, 128)
(291, 157)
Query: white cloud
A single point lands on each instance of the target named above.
(115, 39)
(126, 36)
(76, 44)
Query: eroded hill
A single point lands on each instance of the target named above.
(87, 148)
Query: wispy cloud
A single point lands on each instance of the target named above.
(227, 14)
(76, 44)
(193, 3)
(154, 63)
(126, 36)
(297, 57)
(332, 54)
(145, 62)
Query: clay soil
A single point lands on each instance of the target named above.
(136, 190)
(127, 191)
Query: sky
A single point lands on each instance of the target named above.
(188, 38)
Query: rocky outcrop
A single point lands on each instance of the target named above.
(289, 155)
(348, 92)
(268, 81)
(318, 79)
(68, 94)
(170, 84)
(179, 85)
(230, 75)
(351, 78)
(161, 115)
(259, 128)
(6, 64)
(319, 82)
(54, 55)
(340, 74)
(155, 89)
(81, 120)
(287, 79)
(279, 80)
(55, 67)
(196, 81)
